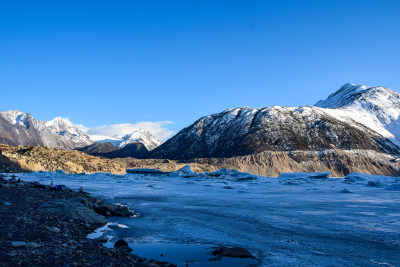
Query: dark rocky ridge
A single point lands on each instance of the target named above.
(246, 131)
(98, 149)
(133, 150)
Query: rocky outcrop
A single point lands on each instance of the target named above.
(73, 210)
(38, 158)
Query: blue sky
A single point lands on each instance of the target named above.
(110, 62)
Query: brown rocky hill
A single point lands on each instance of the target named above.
(267, 163)
(39, 158)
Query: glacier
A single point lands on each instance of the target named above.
(294, 220)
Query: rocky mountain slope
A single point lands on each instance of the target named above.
(336, 123)
(19, 128)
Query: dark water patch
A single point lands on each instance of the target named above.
(188, 255)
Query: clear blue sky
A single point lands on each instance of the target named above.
(104, 62)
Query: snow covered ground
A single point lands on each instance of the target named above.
(293, 220)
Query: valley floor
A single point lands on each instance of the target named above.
(292, 220)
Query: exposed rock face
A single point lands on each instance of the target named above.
(273, 163)
(18, 128)
(38, 158)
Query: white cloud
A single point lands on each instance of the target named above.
(82, 128)
(157, 128)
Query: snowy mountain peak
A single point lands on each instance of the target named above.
(376, 107)
(64, 126)
(354, 94)
(17, 117)
(143, 136)
(344, 96)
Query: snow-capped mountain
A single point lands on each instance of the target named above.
(20, 128)
(375, 107)
(140, 136)
(355, 117)
(65, 128)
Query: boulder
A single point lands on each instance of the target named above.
(123, 209)
(73, 210)
(122, 245)
(118, 210)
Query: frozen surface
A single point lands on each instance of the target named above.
(293, 221)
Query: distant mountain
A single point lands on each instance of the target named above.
(132, 150)
(19, 128)
(108, 150)
(140, 136)
(355, 117)
(137, 144)
(98, 149)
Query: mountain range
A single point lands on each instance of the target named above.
(21, 128)
(355, 126)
